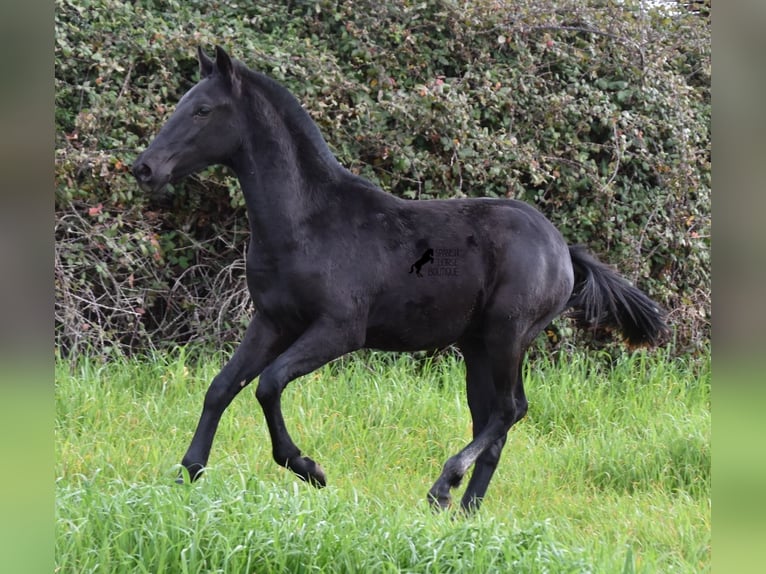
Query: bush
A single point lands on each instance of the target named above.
(598, 116)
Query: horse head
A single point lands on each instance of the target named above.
(203, 130)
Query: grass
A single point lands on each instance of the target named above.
(609, 471)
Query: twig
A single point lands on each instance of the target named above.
(618, 153)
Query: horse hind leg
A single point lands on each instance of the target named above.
(480, 391)
(495, 414)
(484, 396)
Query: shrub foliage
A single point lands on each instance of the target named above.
(597, 114)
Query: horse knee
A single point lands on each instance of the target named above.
(266, 391)
(269, 388)
(218, 395)
(225, 386)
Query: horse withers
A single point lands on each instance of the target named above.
(334, 264)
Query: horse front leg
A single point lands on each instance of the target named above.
(324, 341)
(261, 344)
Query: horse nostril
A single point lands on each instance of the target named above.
(142, 172)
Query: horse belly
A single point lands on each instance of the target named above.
(419, 323)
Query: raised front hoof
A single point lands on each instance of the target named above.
(308, 470)
(438, 500)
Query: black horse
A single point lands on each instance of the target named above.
(327, 271)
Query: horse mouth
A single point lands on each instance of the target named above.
(154, 186)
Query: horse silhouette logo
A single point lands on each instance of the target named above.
(427, 257)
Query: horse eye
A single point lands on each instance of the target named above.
(202, 111)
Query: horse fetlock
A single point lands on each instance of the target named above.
(454, 470)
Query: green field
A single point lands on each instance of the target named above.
(609, 472)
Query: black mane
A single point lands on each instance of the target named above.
(295, 116)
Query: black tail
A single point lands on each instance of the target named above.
(601, 299)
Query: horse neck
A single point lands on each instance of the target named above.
(286, 178)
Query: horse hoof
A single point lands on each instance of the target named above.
(189, 473)
(439, 501)
(309, 471)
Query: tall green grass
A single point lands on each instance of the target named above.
(609, 471)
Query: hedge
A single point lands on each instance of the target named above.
(599, 116)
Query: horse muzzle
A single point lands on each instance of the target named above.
(150, 178)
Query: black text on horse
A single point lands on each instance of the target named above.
(327, 269)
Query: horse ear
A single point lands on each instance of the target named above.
(226, 66)
(205, 63)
